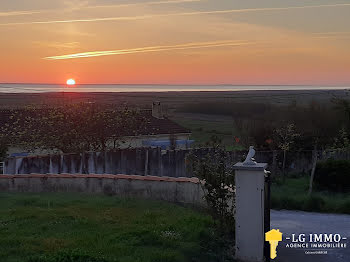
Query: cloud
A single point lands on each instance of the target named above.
(144, 3)
(72, 5)
(81, 5)
(186, 46)
(126, 18)
(332, 35)
(16, 13)
(58, 45)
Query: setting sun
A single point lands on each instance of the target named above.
(70, 82)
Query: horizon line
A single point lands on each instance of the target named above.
(151, 84)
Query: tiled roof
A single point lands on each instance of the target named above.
(156, 126)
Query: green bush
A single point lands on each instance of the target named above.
(333, 175)
(314, 203)
(73, 256)
(344, 207)
(293, 195)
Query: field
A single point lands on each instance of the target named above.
(78, 227)
(204, 127)
(292, 194)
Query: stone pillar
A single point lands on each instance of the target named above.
(249, 180)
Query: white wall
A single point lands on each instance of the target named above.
(135, 142)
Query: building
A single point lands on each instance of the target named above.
(158, 131)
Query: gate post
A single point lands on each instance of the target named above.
(250, 195)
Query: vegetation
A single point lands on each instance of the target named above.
(215, 171)
(257, 123)
(286, 137)
(77, 227)
(204, 130)
(72, 128)
(3, 150)
(293, 194)
(333, 175)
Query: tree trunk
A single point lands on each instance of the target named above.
(314, 162)
(284, 164)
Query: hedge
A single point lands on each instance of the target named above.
(333, 175)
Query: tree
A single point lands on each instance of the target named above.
(3, 150)
(343, 106)
(72, 128)
(286, 136)
(312, 176)
(341, 141)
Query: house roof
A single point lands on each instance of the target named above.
(152, 125)
(157, 126)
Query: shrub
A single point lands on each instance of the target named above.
(344, 207)
(333, 175)
(314, 203)
(215, 171)
(217, 175)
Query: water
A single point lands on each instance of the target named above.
(43, 88)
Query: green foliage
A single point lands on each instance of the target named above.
(343, 107)
(292, 194)
(53, 227)
(71, 256)
(256, 123)
(286, 136)
(3, 150)
(341, 141)
(333, 175)
(72, 128)
(215, 171)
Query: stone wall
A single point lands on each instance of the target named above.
(179, 190)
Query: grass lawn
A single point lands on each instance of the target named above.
(293, 195)
(77, 227)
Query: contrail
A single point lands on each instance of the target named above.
(42, 11)
(331, 33)
(149, 49)
(143, 3)
(15, 13)
(125, 18)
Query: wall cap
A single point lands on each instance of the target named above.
(256, 167)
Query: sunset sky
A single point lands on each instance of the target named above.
(176, 41)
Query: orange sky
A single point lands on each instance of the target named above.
(176, 41)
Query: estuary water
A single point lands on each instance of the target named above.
(44, 88)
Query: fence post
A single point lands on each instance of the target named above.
(146, 162)
(250, 182)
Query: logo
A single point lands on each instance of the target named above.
(312, 244)
(316, 243)
(273, 237)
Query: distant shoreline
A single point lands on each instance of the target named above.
(113, 84)
(19, 88)
(175, 99)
